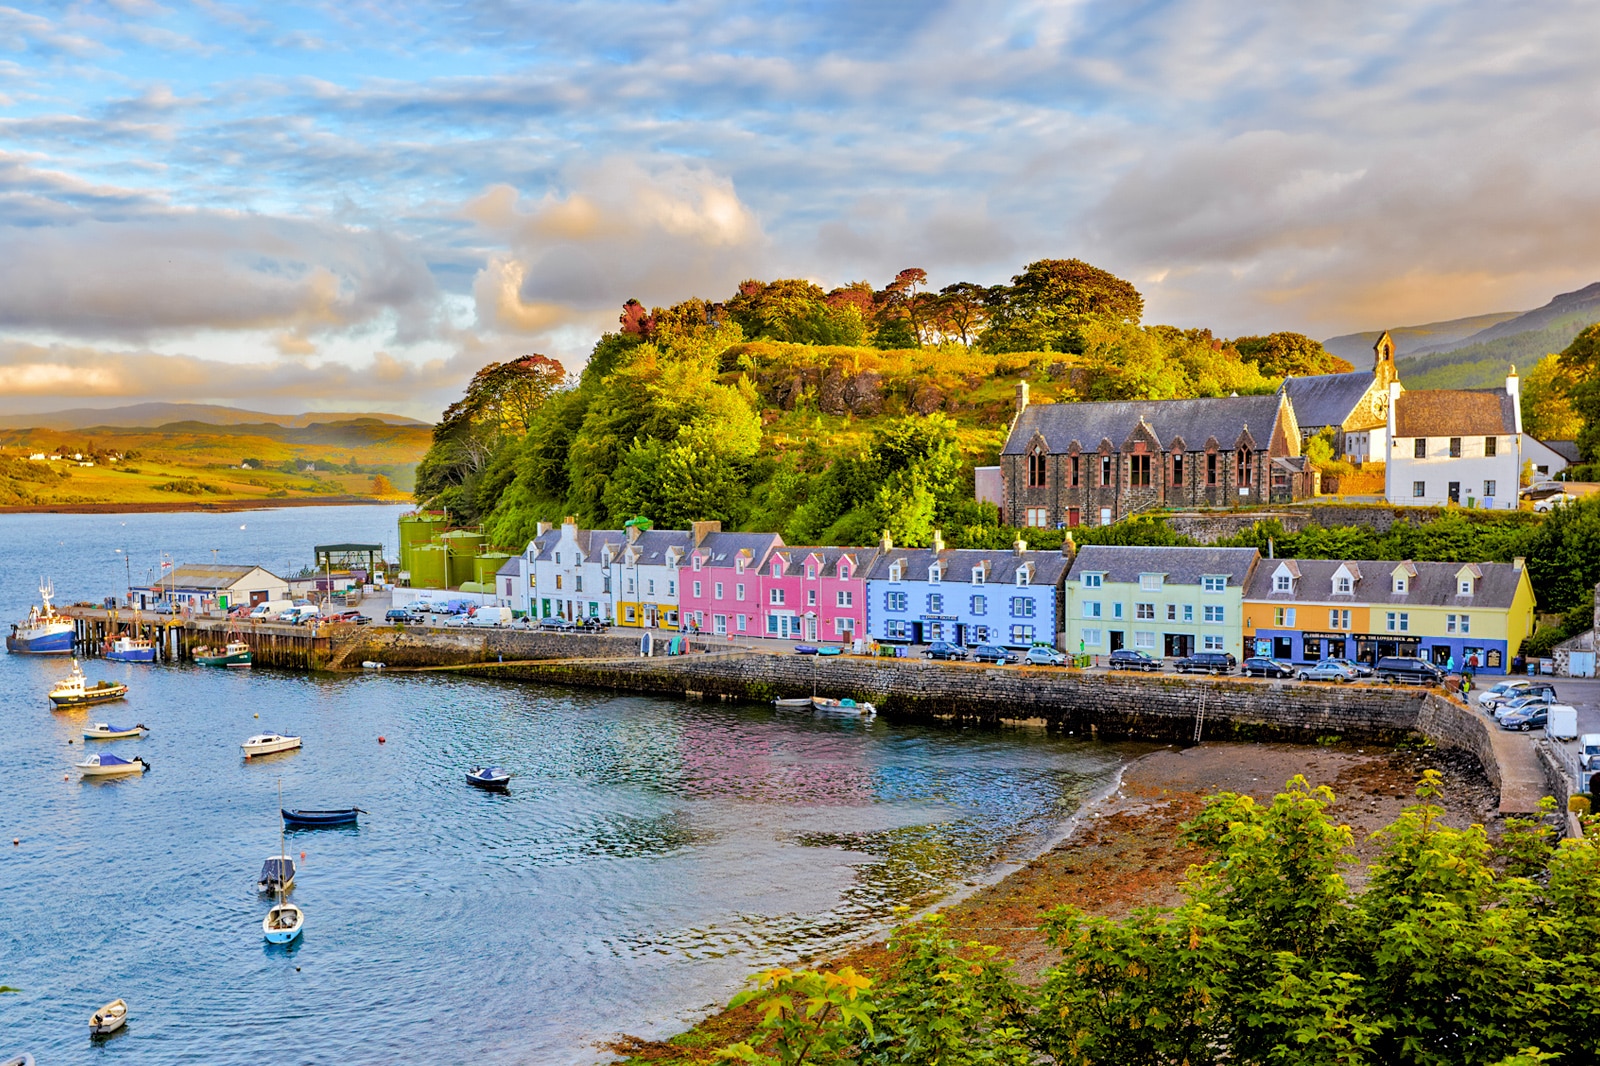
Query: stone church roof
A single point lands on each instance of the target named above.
(1223, 418)
(1326, 399)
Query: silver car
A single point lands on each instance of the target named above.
(1328, 670)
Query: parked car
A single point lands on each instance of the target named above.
(1128, 659)
(1327, 670)
(1536, 699)
(990, 653)
(1257, 666)
(943, 649)
(1554, 500)
(1397, 669)
(558, 624)
(1502, 691)
(1589, 751)
(1523, 719)
(398, 614)
(1361, 669)
(1207, 662)
(1038, 655)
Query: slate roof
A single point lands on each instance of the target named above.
(1048, 567)
(1326, 399)
(1433, 585)
(1567, 449)
(798, 554)
(511, 567)
(542, 544)
(1196, 421)
(1454, 413)
(1182, 566)
(653, 545)
(719, 549)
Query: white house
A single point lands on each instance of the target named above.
(572, 574)
(1460, 446)
(1549, 458)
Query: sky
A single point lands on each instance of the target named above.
(355, 205)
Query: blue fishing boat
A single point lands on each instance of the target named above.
(319, 819)
(43, 632)
(489, 778)
(130, 649)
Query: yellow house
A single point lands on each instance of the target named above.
(1303, 610)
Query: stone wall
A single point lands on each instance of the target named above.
(1210, 526)
(413, 646)
(1450, 725)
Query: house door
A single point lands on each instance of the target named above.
(1179, 645)
(651, 618)
(1073, 516)
(1581, 664)
(1455, 492)
(811, 627)
(1282, 648)
(1116, 640)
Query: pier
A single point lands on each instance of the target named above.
(175, 637)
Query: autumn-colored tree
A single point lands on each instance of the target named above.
(1580, 363)
(1046, 306)
(382, 486)
(1547, 411)
(961, 311)
(1289, 354)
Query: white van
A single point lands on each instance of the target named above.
(1589, 751)
(1562, 723)
(301, 614)
(271, 609)
(490, 616)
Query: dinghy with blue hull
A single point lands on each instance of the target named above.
(320, 819)
(489, 778)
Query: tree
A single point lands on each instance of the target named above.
(961, 311)
(382, 486)
(1046, 306)
(1580, 363)
(1547, 411)
(1280, 355)
(900, 301)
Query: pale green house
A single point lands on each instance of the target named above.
(1166, 602)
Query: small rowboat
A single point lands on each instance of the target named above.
(283, 923)
(319, 819)
(277, 874)
(269, 744)
(108, 1019)
(111, 766)
(489, 778)
(844, 706)
(796, 704)
(23, 1059)
(74, 690)
(104, 731)
(830, 649)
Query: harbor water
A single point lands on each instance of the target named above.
(650, 854)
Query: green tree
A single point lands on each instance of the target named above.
(1580, 365)
(1279, 355)
(1547, 411)
(1046, 306)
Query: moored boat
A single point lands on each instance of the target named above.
(107, 731)
(277, 873)
(130, 649)
(43, 632)
(74, 690)
(235, 653)
(111, 766)
(803, 701)
(489, 778)
(284, 921)
(23, 1059)
(108, 1019)
(844, 706)
(303, 819)
(269, 744)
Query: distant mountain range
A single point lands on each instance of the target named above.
(1476, 352)
(142, 415)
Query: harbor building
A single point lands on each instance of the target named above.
(211, 586)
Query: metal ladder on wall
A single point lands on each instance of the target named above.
(1200, 717)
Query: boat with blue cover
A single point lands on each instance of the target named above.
(111, 766)
(489, 778)
(43, 632)
(320, 819)
(107, 731)
(130, 649)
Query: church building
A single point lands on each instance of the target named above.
(1354, 405)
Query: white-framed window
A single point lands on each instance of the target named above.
(1188, 612)
(776, 597)
(716, 591)
(896, 629)
(1419, 488)
(1024, 574)
(978, 634)
(1144, 638)
(980, 605)
(1116, 609)
(811, 597)
(1144, 611)
(738, 591)
(1021, 634)
(628, 614)
(935, 603)
(1449, 623)
(977, 575)
(844, 626)
(894, 571)
(1398, 621)
(1214, 613)
(696, 563)
(935, 573)
(1022, 607)
(811, 572)
(1400, 585)
(1150, 582)
(719, 624)
(895, 601)
(1212, 583)
(777, 568)
(1466, 623)
(1283, 616)
(772, 625)
(698, 590)
(742, 620)
(672, 588)
(1091, 581)
(558, 558)
(1466, 586)
(1091, 637)
(1342, 585)
(650, 587)
(577, 583)
(1282, 583)
(1213, 643)
(1091, 608)
(844, 598)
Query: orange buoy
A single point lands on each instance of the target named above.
(15, 841)
(381, 740)
(302, 856)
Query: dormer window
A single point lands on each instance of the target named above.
(1282, 583)
(1150, 582)
(777, 568)
(844, 571)
(811, 572)
(1399, 585)
(697, 564)
(1466, 586)
(977, 575)
(1091, 581)
(935, 574)
(1022, 575)
(738, 565)
(1342, 585)
(894, 572)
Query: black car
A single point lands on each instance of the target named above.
(989, 653)
(1128, 659)
(1260, 667)
(397, 614)
(1207, 662)
(943, 649)
(561, 624)
(1404, 669)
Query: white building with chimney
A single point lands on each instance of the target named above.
(1455, 446)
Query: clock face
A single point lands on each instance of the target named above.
(1383, 404)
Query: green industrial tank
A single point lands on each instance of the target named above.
(420, 527)
(462, 545)
(429, 566)
(474, 586)
(487, 565)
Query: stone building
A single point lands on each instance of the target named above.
(1355, 406)
(1070, 464)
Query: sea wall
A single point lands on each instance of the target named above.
(416, 646)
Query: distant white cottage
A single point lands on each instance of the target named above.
(1460, 446)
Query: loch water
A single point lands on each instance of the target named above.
(650, 854)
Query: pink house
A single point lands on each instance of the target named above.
(719, 583)
(815, 594)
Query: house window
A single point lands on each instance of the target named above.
(1214, 613)
(1036, 471)
(1283, 616)
(697, 569)
(1177, 468)
(935, 573)
(1419, 448)
(935, 603)
(776, 598)
(1144, 611)
(777, 568)
(1488, 487)
(1282, 583)
(894, 601)
(1090, 638)
(1449, 623)
(558, 581)
(1188, 612)
(844, 598)
(1341, 584)
(716, 590)
(1211, 468)
(772, 625)
(558, 558)
(1139, 470)
(1022, 607)
(897, 629)
(1490, 446)
(811, 597)
(1105, 470)
(1466, 623)
(1214, 584)
(672, 588)
(650, 587)
(1398, 621)
(1116, 610)
(698, 590)
(1172, 612)
(1038, 517)
(628, 614)
(719, 624)
(1455, 447)
(977, 575)
(1150, 582)
(742, 620)
(1244, 467)
(1400, 586)
(1466, 586)
(738, 591)
(1091, 581)
(980, 605)
(1213, 643)
(844, 626)
(1075, 471)
(1144, 638)
(1419, 488)
(1091, 608)
(811, 572)
(894, 572)
(1023, 575)
(1022, 634)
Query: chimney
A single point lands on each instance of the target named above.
(569, 522)
(938, 542)
(1514, 390)
(1022, 396)
(1019, 546)
(1518, 563)
(633, 533)
(544, 527)
(1270, 548)
(1069, 547)
(700, 530)
(886, 544)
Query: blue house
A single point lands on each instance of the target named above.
(965, 596)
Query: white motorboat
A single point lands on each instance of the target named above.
(106, 731)
(802, 702)
(269, 744)
(111, 766)
(284, 921)
(23, 1059)
(109, 1019)
(844, 706)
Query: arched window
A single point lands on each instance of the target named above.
(1036, 469)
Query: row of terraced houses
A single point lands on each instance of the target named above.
(1167, 602)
